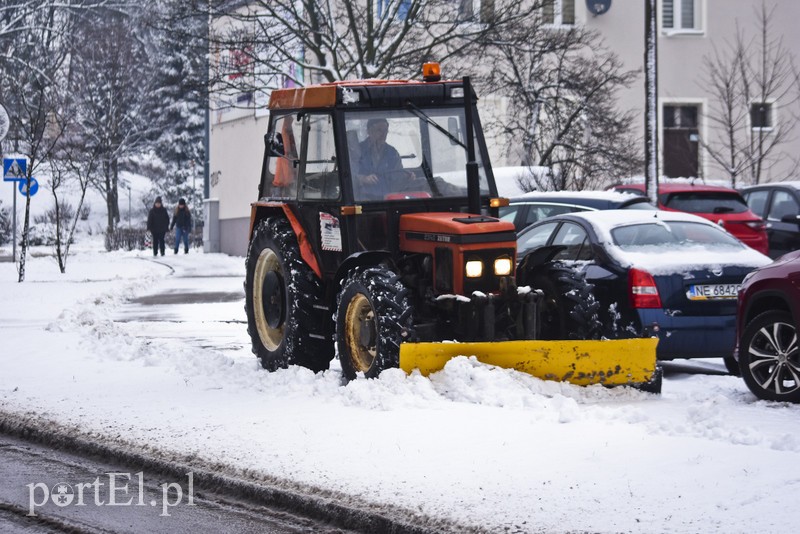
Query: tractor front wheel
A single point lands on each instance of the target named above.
(373, 318)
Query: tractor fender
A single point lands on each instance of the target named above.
(260, 210)
(535, 258)
(365, 258)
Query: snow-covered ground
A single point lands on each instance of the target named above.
(479, 445)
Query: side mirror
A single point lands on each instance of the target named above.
(791, 219)
(275, 145)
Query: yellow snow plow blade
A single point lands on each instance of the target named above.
(608, 362)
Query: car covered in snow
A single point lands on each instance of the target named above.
(532, 207)
(625, 273)
(767, 324)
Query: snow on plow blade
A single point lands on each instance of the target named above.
(607, 362)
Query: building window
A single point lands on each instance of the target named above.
(559, 12)
(681, 15)
(761, 115)
(476, 10)
(385, 7)
(681, 140)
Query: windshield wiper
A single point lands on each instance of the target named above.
(422, 115)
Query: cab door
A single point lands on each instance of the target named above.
(319, 189)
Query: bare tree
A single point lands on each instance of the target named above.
(748, 78)
(266, 43)
(560, 84)
(111, 82)
(73, 164)
(32, 94)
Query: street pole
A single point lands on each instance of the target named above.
(651, 101)
(14, 228)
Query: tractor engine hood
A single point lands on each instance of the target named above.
(453, 240)
(454, 228)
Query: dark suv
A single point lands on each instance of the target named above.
(767, 323)
(779, 205)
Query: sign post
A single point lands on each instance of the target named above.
(15, 170)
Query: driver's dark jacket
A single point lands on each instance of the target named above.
(388, 160)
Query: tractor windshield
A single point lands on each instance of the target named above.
(412, 153)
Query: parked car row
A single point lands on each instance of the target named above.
(611, 265)
(720, 205)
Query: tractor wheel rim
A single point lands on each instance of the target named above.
(775, 358)
(361, 333)
(268, 292)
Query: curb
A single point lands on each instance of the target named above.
(326, 507)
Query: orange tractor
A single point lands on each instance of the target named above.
(376, 231)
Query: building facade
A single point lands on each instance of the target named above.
(692, 138)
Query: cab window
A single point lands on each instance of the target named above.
(281, 172)
(319, 177)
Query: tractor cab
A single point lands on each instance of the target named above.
(364, 153)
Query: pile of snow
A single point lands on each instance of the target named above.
(481, 445)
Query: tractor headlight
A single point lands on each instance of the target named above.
(474, 269)
(502, 266)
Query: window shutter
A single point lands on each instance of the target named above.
(667, 14)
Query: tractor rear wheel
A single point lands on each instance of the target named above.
(373, 317)
(280, 292)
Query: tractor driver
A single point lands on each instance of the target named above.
(378, 162)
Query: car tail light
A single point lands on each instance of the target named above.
(643, 290)
(758, 226)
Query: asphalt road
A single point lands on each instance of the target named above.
(44, 490)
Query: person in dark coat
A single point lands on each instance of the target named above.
(158, 225)
(182, 222)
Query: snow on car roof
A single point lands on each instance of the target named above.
(613, 196)
(794, 183)
(679, 258)
(508, 178)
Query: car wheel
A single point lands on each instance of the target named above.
(769, 357)
(373, 318)
(280, 293)
(569, 309)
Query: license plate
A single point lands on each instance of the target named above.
(713, 291)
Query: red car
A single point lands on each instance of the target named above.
(721, 205)
(767, 321)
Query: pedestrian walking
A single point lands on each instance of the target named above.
(158, 225)
(182, 222)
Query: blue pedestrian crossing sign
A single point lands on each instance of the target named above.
(14, 169)
(23, 187)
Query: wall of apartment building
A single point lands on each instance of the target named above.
(682, 75)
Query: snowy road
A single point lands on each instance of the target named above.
(132, 501)
(112, 354)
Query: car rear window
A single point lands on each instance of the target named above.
(706, 202)
(658, 234)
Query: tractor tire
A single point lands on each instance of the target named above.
(280, 292)
(569, 309)
(769, 357)
(373, 318)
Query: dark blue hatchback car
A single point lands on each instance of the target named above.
(668, 274)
